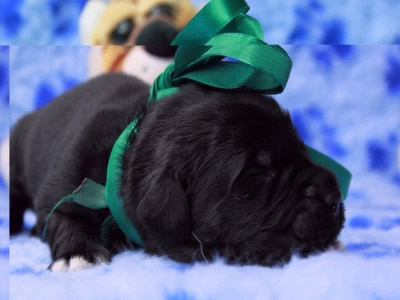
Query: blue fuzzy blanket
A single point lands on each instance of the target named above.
(55, 22)
(344, 100)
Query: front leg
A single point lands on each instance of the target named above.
(276, 252)
(73, 234)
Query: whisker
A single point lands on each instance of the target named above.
(201, 247)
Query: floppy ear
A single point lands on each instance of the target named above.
(164, 214)
(218, 183)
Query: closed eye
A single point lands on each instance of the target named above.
(310, 192)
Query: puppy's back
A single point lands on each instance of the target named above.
(77, 125)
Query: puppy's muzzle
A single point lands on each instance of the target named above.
(322, 185)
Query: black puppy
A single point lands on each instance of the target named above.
(211, 172)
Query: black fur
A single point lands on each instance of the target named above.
(226, 166)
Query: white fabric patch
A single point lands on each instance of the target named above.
(138, 62)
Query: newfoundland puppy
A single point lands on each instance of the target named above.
(211, 173)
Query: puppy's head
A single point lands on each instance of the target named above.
(228, 170)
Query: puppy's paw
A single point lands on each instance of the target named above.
(78, 260)
(276, 259)
(75, 263)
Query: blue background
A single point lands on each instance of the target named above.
(50, 22)
(344, 100)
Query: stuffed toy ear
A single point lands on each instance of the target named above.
(89, 18)
(111, 28)
(164, 214)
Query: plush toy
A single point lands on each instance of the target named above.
(133, 34)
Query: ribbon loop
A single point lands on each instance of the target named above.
(209, 21)
(223, 30)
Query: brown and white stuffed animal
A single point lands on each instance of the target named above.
(133, 34)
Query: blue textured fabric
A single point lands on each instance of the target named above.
(60, 69)
(4, 215)
(344, 100)
(50, 22)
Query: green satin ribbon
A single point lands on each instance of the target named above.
(113, 184)
(89, 194)
(220, 30)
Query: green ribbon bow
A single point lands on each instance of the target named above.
(220, 30)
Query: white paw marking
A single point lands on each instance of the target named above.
(76, 263)
(59, 266)
(79, 263)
